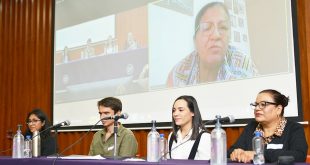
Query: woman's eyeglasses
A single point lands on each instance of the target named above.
(32, 121)
(262, 104)
(208, 28)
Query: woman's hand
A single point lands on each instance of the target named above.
(242, 156)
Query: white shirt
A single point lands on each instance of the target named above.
(183, 147)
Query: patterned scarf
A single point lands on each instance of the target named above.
(278, 132)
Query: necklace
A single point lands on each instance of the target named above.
(186, 134)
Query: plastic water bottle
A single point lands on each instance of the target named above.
(28, 147)
(218, 144)
(153, 144)
(258, 148)
(162, 147)
(18, 144)
(36, 144)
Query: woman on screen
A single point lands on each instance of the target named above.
(281, 136)
(38, 121)
(214, 59)
(189, 139)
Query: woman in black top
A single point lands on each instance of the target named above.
(281, 136)
(38, 121)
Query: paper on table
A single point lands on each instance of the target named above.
(82, 157)
(133, 159)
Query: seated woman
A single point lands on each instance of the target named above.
(282, 137)
(38, 121)
(189, 139)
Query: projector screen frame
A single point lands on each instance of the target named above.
(164, 125)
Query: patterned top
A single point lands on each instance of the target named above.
(278, 132)
(235, 66)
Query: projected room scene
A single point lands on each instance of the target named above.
(102, 57)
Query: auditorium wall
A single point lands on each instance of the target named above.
(26, 38)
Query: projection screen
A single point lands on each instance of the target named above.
(147, 53)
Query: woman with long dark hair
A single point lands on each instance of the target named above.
(38, 121)
(189, 138)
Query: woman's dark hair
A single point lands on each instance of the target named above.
(41, 115)
(111, 102)
(205, 9)
(197, 120)
(278, 98)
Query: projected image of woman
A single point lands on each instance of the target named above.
(189, 139)
(213, 59)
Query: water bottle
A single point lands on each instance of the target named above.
(18, 144)
(218, 144)
(258, 148)
(36, 144)
(162, 147)
(153, 144)
(28, 147)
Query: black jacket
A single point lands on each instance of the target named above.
(48, 146)
(293, 140)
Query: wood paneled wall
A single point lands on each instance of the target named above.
(25, 62)
(26, 71)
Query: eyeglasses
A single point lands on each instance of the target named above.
(262, 104)
(32, 121)
(208, 28)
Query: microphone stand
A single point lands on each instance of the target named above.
(115, 157)
(56, 137)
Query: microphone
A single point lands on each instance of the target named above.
(116, 117)
(228, 119)
(64, 123)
